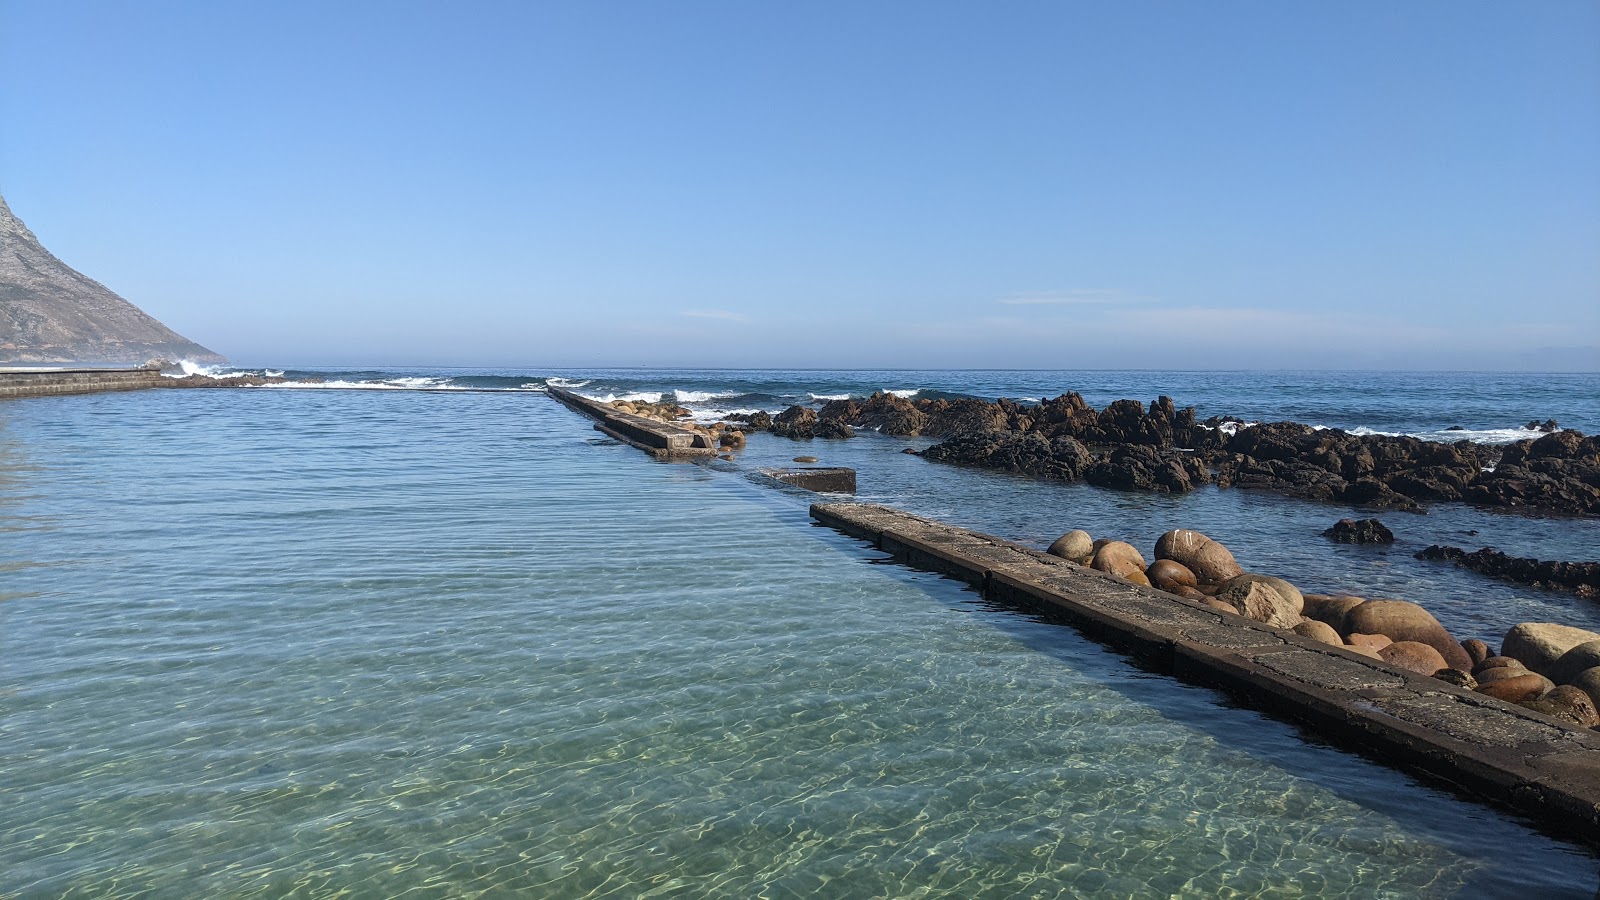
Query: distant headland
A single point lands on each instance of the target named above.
(52, 313)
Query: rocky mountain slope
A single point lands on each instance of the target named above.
(51, 313)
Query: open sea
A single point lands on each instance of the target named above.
(425, 633)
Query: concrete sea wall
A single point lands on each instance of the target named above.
(17, 382)
(659, 439)
(1493, 750)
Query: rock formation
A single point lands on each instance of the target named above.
(51, 313)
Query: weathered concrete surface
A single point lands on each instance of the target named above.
(659, 439)
(41, 382)
(1493, 750)
(823, 479)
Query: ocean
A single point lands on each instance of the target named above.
(432, 635)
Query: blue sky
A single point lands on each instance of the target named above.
(1057, 185)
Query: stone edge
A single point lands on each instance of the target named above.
(659, 439)
(1491, 750)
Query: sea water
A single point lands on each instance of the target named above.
(272, 642)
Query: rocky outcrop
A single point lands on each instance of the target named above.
(1360, 531)
(1581, 578)
(51, 313)
(1162, 448)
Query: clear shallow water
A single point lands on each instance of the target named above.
(271, 643)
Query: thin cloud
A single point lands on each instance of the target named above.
(722, 315)
(1076, 297)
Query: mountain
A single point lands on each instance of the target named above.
(52, 313)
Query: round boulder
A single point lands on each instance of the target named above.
(1170, 575)
(1331, 610)
(1264, 599)
(1413, 656)
(1498, 662)
(1210, 562)
(1457, 677)
(1501, 673)
(1477, 650)
(1569, 704)
(1405, 621)
(1516, 689)
(1122, 560)
(1540, 644)
(1579, 659)
(1373, 642)
(1074, 546)
(1319, 631)
(1216, 604)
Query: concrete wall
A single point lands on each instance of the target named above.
(659, 439)
(43, 382)
(1491, 750)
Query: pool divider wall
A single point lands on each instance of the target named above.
(1507, 754)
(659, 439)
(43, 382)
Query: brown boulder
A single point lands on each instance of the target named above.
(1405, 621)
(1170, 575)
(1569, 704)
(1210, 562)
(1500, 673)
(1122, 560)
(1588, 681)
(1517, 689)
(1319, 631)
(1214, 603)
(1074, 546)
(1457, 677)
(1264, 599)
(1331, 610)
(1373, 642)
(1498, 662)
(1189, 593)
(1540, 644)
(1413, 656)
(1477, 650)
(1579, 659)
(1364, 651)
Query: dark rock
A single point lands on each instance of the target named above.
(1581, 578)
(796, 422)
(1360, 531)
(833, 428)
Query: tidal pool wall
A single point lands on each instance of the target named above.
(40, 382)
(1506, 754)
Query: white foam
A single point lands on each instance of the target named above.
(702, 396)
(635, 397)
(557, 381)
(338, 384)
(816, 398)
(717, 415)
(906, 393)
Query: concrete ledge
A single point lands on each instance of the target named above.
(42, 382)
(825, 479)
(659, 439)
(1491, 750)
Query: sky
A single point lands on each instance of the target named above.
(1129, 184)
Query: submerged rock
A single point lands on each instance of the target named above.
(1360, 531)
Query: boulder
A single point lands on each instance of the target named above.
(1360, 531)
(1401, 620)
(733, 439)
(1122, 560)
(1588, 681)
(1516, 689)
(1264, 599)
(1319, 631)
(1170, 575)
(1569, 704)
(1364, 651)
(1216, 604)
(1413, 656)
(1539, 644)
(1500, 673)
(1498, 662)
(1372, 642)
(1210, 562)
(1189, 593)
(1477, 650)
(797, 423)
(1075, 546)
(1331, 610)
(1458, 678)
(1581, 658)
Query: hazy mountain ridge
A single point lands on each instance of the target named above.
(52, 313)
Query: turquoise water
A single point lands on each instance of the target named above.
(272, 643)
